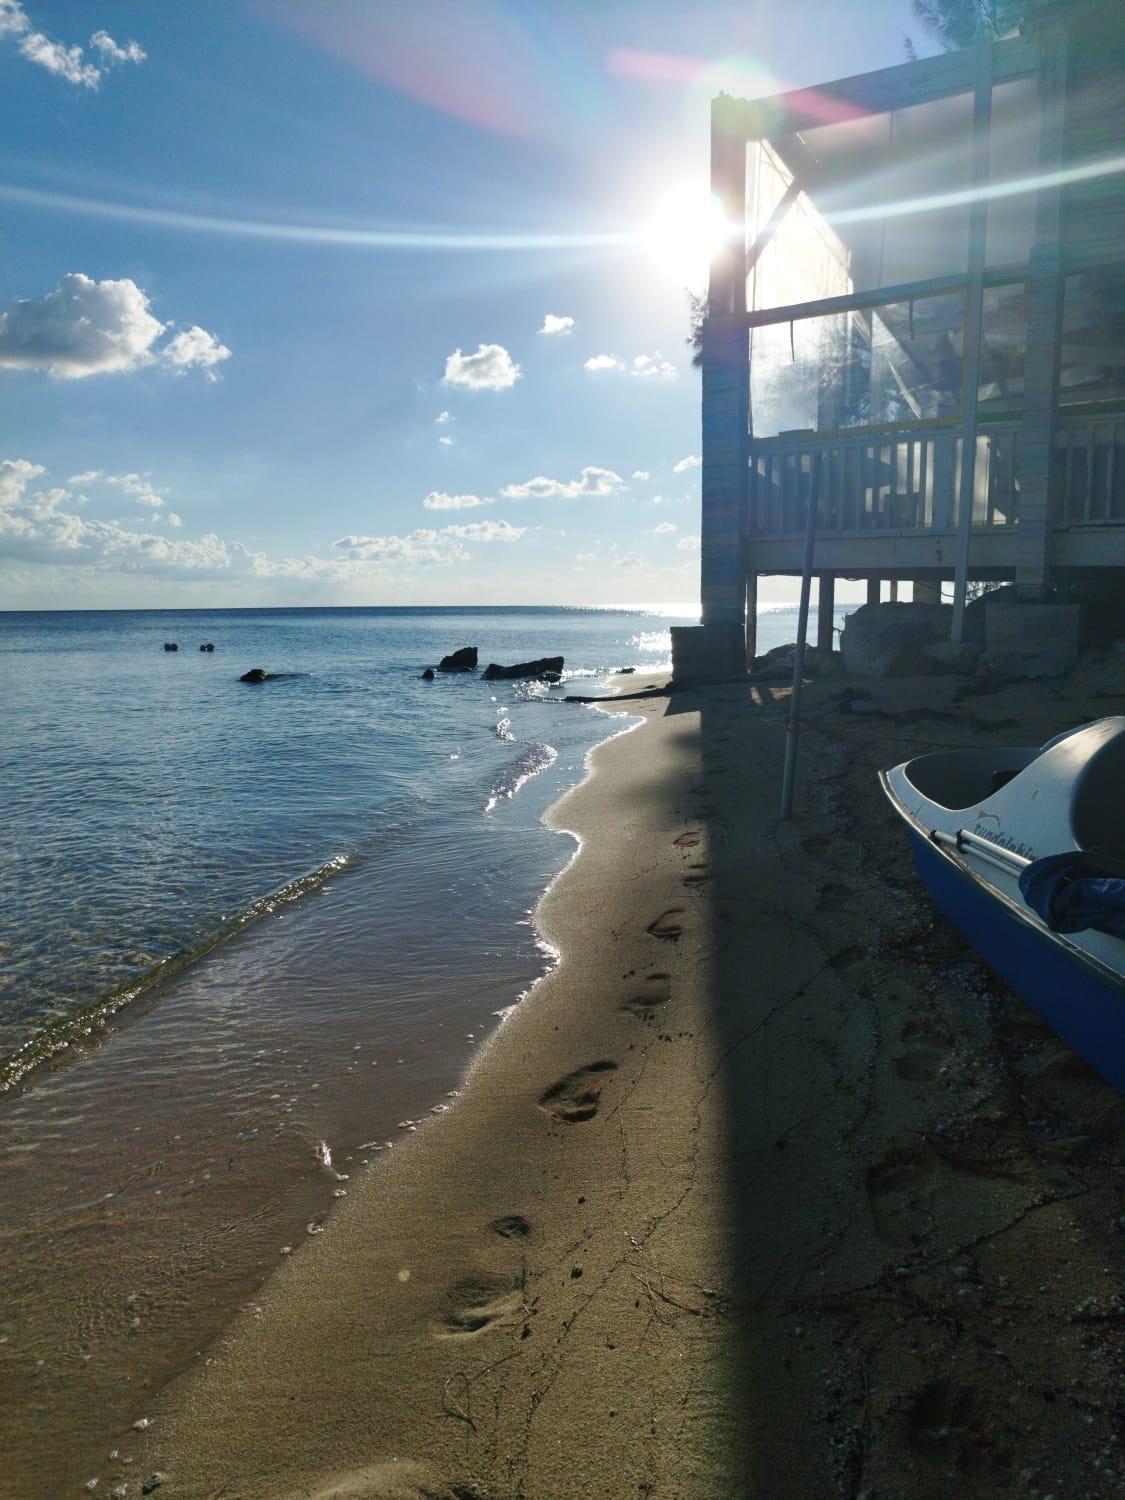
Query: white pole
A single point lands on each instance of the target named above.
(793, 722)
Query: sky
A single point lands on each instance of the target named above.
(369, 301)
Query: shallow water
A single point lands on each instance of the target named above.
(158, 1169)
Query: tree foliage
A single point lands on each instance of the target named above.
(961, 23)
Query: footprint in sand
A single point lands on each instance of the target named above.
(479, 1302)
(393, 1479)
(698, 874)
(653, 994)
(511, 1227)
(927, 1048)
(896, 1185)
(665, 925)
(687, 840)
(577, 1096)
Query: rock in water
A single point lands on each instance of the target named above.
(255, 674)
(208, 647)
(428, 675)
(171, 646)
(549, 667)
(464, 660)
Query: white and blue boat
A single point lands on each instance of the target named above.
(1024, 851)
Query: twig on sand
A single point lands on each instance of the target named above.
(451, 1408)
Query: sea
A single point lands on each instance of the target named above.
(251, 936)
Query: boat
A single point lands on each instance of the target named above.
(1024, 850)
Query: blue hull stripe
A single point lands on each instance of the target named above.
(1087, 1014)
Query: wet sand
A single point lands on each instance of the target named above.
(769, 1189)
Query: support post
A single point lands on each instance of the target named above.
(726, 386)
(974, 317)
(927, 591)
(1045, 285)
(793, 722)
(892, 591)
(873, 590)
(751, 614)
(825, 610)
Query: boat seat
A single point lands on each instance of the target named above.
(1098, 809)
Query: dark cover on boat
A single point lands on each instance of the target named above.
(1073, 892)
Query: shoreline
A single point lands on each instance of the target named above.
(767, 1188)
(135, 1217)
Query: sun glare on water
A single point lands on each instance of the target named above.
(685, 231)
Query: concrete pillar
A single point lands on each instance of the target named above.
(751, 614)
(873, 590)
(825, 610)
(1044, 324)
(892, 590)
(726, 402)
(726, 386)
(927, 591)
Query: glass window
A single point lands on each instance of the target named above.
(870, 205)
(1013, 157)
(899, 362)
(1092, 361)
(1003, 348)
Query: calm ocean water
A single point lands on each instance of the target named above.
(153, 802)
(317, 891)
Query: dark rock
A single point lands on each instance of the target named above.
(538, 668)
(207, 647)
(777, 665)
(153, 1482)
(887, 640)
(170, 646)
(255, 674)
(625, 671)
(428, 675)
(464, 660)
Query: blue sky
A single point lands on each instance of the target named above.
(244, 241)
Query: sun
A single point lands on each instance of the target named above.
(686, 230)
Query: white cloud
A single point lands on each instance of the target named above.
(138, 486)
(131, 52)
(645, 365)
(36, 526)
(664, 528)
(552, 323)
(641, 474)
(439, 500)
(590, 482)
(630, 560)
(688, 544)
(446, 442)
(65, 62)
(86, 327)
(690, 462)
(16, 473)
(485, 531)
(653, 365)
(428, 547)
(442, 418)
(194, 346)
(491, 368)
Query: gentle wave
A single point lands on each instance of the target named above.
(536, 758)
(93, 1018)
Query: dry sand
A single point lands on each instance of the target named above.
(768, 1190)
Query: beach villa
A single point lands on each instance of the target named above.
(923, 314)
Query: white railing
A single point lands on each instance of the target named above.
(898, 481)
(1089, 473)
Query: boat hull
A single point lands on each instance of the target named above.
(1086, 1010)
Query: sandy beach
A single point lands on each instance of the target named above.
(769, 1189)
